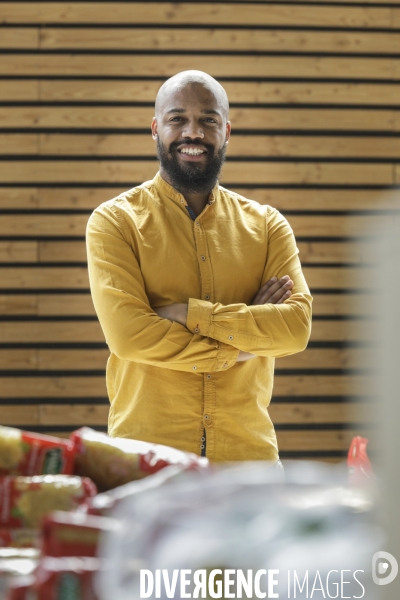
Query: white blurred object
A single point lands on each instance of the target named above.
(240, 518)
(388, 407)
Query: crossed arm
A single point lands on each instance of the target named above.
(274, 291)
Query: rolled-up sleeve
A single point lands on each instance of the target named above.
(133, 331)
(266, 329)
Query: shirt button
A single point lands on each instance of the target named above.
(194, 368)
(196, 330)
(207, 297)
(206, 417)
(203, 439)
(203, 258)
(182, 201)
(208, 376)
(225, 365)
(202, 446)
(230, 337)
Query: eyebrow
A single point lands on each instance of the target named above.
(206, 111)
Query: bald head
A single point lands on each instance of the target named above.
(191, 79)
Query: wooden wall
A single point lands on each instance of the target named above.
(315, 94)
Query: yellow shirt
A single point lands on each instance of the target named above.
(168, 383)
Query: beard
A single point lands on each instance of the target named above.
(192, 177)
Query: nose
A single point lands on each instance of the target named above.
(192, 130)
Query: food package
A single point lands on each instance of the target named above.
(26, 453)
(359, 465)
(70, 577)
(18, 538)
(24, 501)
(111, 462)
(101, 504)
(73, 533)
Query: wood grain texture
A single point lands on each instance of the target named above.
(39, 359)
(81, 304)
(320, 413)
(143, 90)
(239, 145)
(35, 276)
(19, 37)
(80, 386)
(207, 13)
(53, 387)
(75, 251)
(282, 199)
(300, 119)
(239, 173)
(108, 65)
(51, 38)
(90, 331)
(317, 440)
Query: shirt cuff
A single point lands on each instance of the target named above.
(199, 317)
(199, 320)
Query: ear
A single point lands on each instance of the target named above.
(154, 129)
(228, 132)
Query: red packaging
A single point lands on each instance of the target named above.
(111, 462)
(26, 453)
(18, 538)
(359, 465)
(24, 501)
(71, 577)
(73, 533)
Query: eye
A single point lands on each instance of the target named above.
(176, 119)
(210, 120)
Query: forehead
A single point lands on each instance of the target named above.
(192, 96)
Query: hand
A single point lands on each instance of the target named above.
(173, 312)
(275, 291)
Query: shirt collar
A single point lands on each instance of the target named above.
(165, 188)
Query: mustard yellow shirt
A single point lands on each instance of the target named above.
(168, 383)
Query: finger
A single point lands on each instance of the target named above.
(285, 296)
(273, 293)
(263, 289)
(279, 293)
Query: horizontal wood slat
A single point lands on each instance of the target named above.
(77, 277)
(245, 92)
(38, 359)
(95, 387)
(325, 67)
(161, 39)
(239, 145)
(208, 13)
(19, 37)
(70, 251)
(280, 413)
(282, 199)
(81, 304)
(22, 332)
(303, 225)
(301, 119)
(257, 172)
(303, 441)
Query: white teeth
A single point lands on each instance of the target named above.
(191, 151)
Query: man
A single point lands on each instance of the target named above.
(197, 290)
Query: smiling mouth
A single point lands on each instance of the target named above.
(191, 151)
